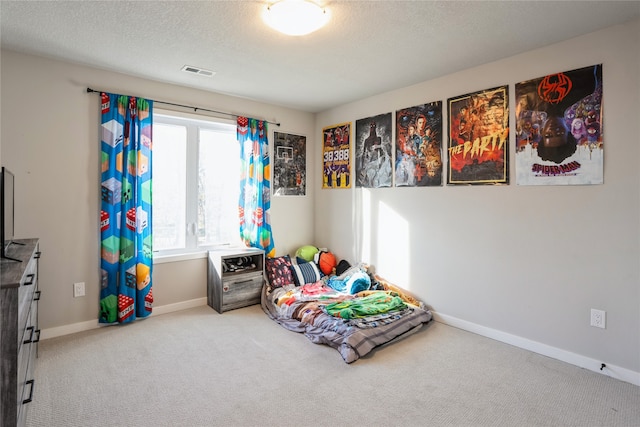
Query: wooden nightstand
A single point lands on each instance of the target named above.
(234, 278)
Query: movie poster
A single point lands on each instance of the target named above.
(289, 164)
(479, 138)
(559, 129)
(373, 152)
(336, 156)
(419, 146)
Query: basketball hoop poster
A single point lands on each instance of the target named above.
(289, 164)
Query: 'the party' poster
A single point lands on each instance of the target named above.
(479, 138)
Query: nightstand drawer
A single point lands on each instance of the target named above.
(241, 291)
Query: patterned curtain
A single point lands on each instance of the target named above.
(125, 216)
(255, 189)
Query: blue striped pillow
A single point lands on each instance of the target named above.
(305, 273)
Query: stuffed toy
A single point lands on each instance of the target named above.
(326, 262)
(306, 252)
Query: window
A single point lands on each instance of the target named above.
(196, 164)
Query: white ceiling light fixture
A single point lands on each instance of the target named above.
(295, 17)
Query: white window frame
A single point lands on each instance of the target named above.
(194, 121)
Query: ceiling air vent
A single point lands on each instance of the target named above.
(199, 71)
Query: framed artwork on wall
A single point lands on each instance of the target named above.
(419, 146)
(559, 129)
(336, 156)
(289, 164)
(374, 152)
(478, 150)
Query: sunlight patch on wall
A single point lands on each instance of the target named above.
(362, 225)
(393, 247)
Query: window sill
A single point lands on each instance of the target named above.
(199, 253)
(162, 259)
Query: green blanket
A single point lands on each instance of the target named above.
(376, 303)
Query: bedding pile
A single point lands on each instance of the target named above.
(353, 312)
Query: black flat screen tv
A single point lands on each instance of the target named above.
(7, 211)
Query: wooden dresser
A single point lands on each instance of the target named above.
(19, 333)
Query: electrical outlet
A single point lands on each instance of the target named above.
(598, 318)
(78, 289)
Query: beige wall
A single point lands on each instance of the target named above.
(50, 140)
(522, 263)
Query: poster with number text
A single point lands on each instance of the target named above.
(336, 156)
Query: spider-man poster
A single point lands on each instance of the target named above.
(559, 129)
(479, 138)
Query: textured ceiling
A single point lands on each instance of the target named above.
(369, 47)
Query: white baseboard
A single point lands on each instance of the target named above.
(543, 349)
(170, 308)
(94, 324)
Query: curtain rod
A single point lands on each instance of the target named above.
(195, 109)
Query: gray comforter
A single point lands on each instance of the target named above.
(305, 312)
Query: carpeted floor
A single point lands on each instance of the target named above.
(199, 368)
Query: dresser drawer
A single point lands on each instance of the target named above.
(26, 352)
(26, 291)
(31, 333)
(26, 385)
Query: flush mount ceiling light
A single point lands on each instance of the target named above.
(295, 17)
